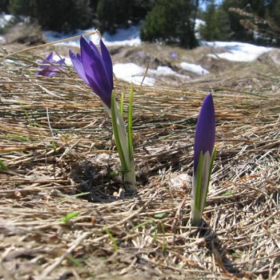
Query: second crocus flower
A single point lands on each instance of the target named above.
(50, 67)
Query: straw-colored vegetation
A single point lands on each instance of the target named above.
(64, 214)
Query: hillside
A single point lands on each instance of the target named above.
(56, 142)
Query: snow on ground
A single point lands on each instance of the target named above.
(123, 37)
(194, 68)
(4, 19)
(129, 72)
(52, 36)
(133, 73)
(130, 37)
(238, 51)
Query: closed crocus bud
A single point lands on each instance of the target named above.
(205, 130)
(204, 154)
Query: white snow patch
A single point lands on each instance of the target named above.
(132, 73)
(164, 71)
(198, 23)
(241, 52)
(4, 19)
(129, 36)
(123, 37)
(194, 68)
(52, 36)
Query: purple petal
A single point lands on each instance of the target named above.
(46, 69)
(76, 61)
(60, 62)
(95, 71)
(49, 57)
(205, 129)
(107, 62)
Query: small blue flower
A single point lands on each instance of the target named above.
(49, 67)
(95, 69)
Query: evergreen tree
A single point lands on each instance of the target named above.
(216, 25)
(4, 6)
(23, 7)
(249, 23)
(170, 21)
(113, 13)
(273, 16)
(57, 15)
(242, 20)
(140, 9)
(64, 15)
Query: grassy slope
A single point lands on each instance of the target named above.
(53, 157)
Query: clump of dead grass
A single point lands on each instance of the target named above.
(57, 143)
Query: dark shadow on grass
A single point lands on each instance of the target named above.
(216, 248)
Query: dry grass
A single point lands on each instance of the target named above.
(56, 141)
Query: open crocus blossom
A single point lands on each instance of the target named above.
(204, 154)
(96, 69)
(50, 67)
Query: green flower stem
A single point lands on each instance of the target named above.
(201, 181)
(124, 146)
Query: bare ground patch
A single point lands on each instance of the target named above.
(57, 143)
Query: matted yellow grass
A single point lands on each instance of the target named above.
(56, 141)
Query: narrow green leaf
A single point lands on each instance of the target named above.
(3, 166)
(115, 245)
(81, 194)
(212, 161)
(122, 103)
(163, 247)
(115, 172)
(69, 216)
(74, 261)
(142, 224)
(116, 132)
(228, 193)
(197, 199)
(160, 215)
(210, 172)
(199, 178)
(155, 232)
(19, 137)
(54, 145)
(130, 132)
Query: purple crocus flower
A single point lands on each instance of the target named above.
(204, 154)
(50, 67)
(95, 68)
(205, 130)
(173, 54)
